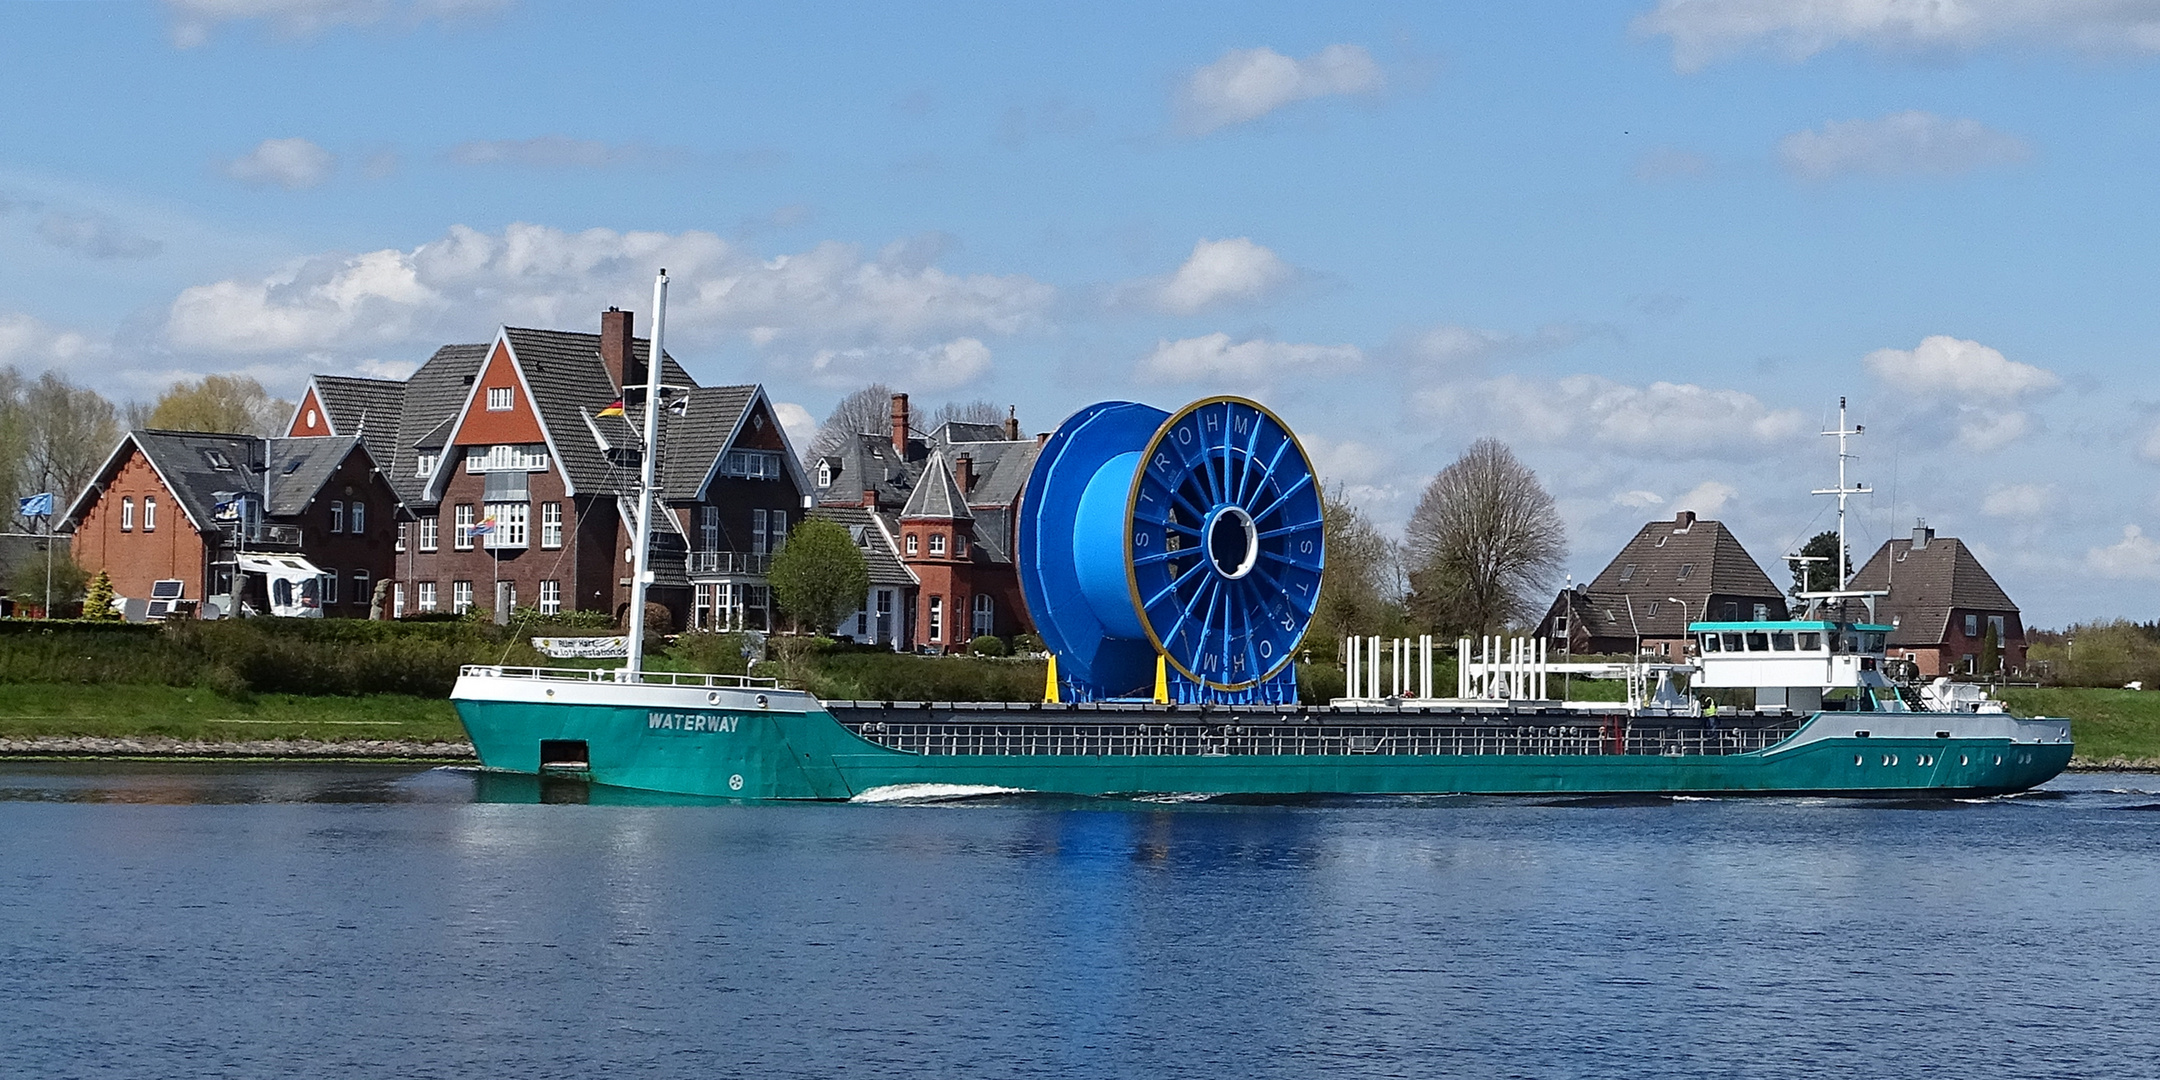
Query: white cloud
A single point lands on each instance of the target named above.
(1453, 346)
(1910, 143)
(467, 282)
(1245, 364)
(560, 152)
(1706, 498)
(1222, 272)
(936, 367)
(1953, 367)
(1638, 499)
(1981, 429)
(1661, 419)
(2017, 500)
(194, 20)
(292, 164)
(1704, 30)
(1247, 84)
(30, 343)
(800, 426)
(96, 237)
(2136, 557)
(386, 369)
(1347, 461)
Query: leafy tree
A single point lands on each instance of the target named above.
(868, 410)
(26, 581)
(232, 403)
(1817, 575)
(98, 601)
(820, 575)
(1359, 586)
(1484, 540)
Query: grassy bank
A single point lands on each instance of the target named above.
(2112, 728)
(121, 710)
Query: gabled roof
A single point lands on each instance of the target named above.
(1926, 583)
(565, 374)
(203, 469)
(430, 404)
(693, 442)
(936, 495)
(875, 533)
(371, 408)
(1685, 558)
(300, 467)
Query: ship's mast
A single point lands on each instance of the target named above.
(641, 554)
(1843, 490)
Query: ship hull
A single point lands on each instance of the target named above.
(786, 746)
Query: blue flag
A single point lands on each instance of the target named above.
(39, 505)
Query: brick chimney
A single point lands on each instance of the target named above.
(615, 348)
(869, 498)
(1683, 521)
(963, 473)
(900, 425)
(1012, 423)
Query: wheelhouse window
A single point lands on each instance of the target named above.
(1710, 643)
(1758, 643)
(1732, 642)
(1810, 641)
(1781, 642)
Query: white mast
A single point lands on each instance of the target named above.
(1843, 490)
(641, 553)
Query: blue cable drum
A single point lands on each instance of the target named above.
(1209, 556)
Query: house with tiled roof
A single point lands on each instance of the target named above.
(886, 615)
(1672, 572)
(1941, 605)
(950, 501)
(519, 488)
(231, 517)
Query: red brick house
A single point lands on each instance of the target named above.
(1671, 573)
(518, 488)
(1941, 606)
(229, 515)
(947, 504)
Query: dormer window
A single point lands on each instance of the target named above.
(1654, 605)
(217, 460)
(824, 474)
(1627, 573)
(1685, 570)
(498, 399)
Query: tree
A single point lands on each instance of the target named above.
(866, 411)
(1359, 584)
(26, 580)
(1483, 543)
(98, 601)
(233, 403)
(819, 575)
(979, 411)
(1990, 650)
(53, 436)
(1819, 575)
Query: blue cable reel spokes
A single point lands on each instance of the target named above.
(1210, 556)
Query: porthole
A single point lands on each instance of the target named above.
(1888, 760)
(1964, 759)
(1998, 759)
(1858, 760)
(713, 698)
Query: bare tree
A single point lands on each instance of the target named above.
(1484, 541)
(1358, 588)
(70, 429)
(979, 411)
(868, 410)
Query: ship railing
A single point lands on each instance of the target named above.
(618, 675)
(1212, 740)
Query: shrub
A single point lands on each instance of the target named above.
(1027, 644)
(712, 654)
(989, 645)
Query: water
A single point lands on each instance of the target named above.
(346, 921)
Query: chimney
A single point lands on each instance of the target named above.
(963, 469)
(899, 425)
(615, 348)
(1921, 534)
(1041, 437)
(1012, 423)
(869, 498)
(1683, 521)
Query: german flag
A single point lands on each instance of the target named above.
(614, 409)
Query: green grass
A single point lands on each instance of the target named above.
(2112, 728)
(120, 710)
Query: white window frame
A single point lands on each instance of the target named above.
(461, 597)
(985, 614)
(149, 513)
(551, 525)
(425, 464)
(337, 515)
(359, 518)
(937, 543)
(430, 532)
(776, 530)
(327, 586)
(506, 457)
(501, 399)
(127, 513)
(757, 532)
(513, 521)
(936, 620)
(913, 546)
(361, 582)
(551, 597)
(397, 599)
(709, 527)
(426, 601)
(461, 540)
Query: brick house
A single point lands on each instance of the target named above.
(518, 489)
(1941, 604)
(948, 504)
(228, 516)
(1671, 573)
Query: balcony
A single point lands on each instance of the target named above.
(724, 563)
(264, 537)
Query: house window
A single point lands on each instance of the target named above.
(460, 597)
(337, 516)
(1654, 605)
(311, 418)
(1686, 570)
(959, 546)
(550, 597)
(400, 546)
(217, 460)
(551, 525)
(1969, 662)
(985, 614)
(708, 528)
(776, 526)
(937, 543)
(424, 466)
(149, 515)
(757, 532)
(1995, 622)
(461, 537)
(427, 596)
(1972, 626)
(397, 600)
(506, 457)
(511, 524)
(751, 464)
(1732, 612)
(824, 474)
(911, 549)
(1762, 613)
(937, 618)
(127, 513)
(360, 583)
(498, 399)
(1627, 573)
(430, 532)
(359, 518)
(328, 586)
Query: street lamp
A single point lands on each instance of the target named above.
(1684, 621)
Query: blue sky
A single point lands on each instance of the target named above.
(1647, 243)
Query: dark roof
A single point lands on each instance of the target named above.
(190, 463)
(874, 534)
(373, 409)
(1685, 558)
(299, 468)
(566, 375)
(691, 443)
(869, 462)
(432, 397)
(936, 495)
(1927, 577)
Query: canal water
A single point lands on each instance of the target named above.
(174, 920)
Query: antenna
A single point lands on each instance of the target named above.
(1843, 491)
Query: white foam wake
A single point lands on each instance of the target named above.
(930, 792)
